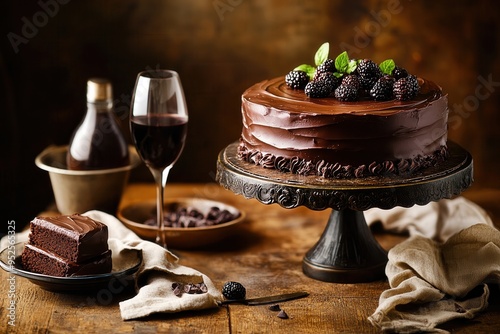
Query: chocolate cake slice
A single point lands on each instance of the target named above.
(67, 246)
(76, 238)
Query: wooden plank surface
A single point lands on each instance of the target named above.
(265, 255)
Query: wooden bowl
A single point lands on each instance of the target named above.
(134, 215)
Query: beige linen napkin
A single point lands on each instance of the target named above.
(431, 281)
(436, 220)
(158, 271)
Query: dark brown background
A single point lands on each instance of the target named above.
(220, 47)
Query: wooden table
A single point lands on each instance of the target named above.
(265, 255)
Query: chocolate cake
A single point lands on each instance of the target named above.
(379, 132)
(66, 246)
(47, 263)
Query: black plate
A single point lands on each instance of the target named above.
(119, 277)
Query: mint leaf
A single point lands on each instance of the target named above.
(342, 62)
(387, 66)
(351, 67)
(309, 69)
(322, 54)
(337, 74)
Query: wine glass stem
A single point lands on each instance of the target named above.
(161, 180)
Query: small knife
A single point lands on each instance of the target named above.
(266, 300)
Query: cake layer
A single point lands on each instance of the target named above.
(41, 261)
(75, 237)
(283, 128)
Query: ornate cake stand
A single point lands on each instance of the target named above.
(346, 252)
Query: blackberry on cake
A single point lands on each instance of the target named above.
(327, 66)
(368, 82)
(369, 72)
(329, 78)
(318, 89)
(346, 93)
(399, 73)
(406, 88)
(415, 86)
(367, 68)
(382, 90)
(352, 80)
(297, 79)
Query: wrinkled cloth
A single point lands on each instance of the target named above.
(442, 270)
(158, 271)
(437, 220)
(154, 279)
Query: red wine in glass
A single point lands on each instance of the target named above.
(159, 139)
(158, 125)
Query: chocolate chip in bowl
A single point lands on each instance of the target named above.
(189, 222)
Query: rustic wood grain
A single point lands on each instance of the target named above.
(265, 255)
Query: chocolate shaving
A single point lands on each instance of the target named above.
(190, 288)
(282, 315)
(177, 288)
(275, 307)
(191, 217)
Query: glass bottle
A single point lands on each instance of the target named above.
(98, 142)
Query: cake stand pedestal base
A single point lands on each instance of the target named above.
(347, 252)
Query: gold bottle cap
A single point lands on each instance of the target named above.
(99, 90)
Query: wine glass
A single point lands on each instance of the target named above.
(158, 124)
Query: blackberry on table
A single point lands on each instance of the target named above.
(318, 89)
(233, 290)
(382, 90)
(346, 93)
(406, 88)
(296, 79)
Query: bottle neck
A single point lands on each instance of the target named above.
(100, 106)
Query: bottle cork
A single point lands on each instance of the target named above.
(99, 89)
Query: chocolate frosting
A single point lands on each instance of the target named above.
(75, 225)
(286, 130)
(90, 235)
